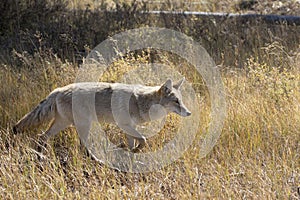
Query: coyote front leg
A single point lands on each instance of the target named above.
(131, 135)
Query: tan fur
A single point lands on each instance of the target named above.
(123, 104)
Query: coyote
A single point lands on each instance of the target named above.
(123, 104)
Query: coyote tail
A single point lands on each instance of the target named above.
(43, 112)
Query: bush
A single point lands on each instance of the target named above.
(71, 33)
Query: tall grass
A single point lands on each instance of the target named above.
(72, 33)
(256, 157)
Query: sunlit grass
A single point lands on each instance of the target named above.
(257, 155)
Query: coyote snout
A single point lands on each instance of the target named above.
(172, 99)
(143, 101)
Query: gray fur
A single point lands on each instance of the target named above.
(123, 104)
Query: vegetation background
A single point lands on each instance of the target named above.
(257, 156)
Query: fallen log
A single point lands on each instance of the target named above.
(269, 18)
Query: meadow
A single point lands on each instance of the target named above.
(256, 157)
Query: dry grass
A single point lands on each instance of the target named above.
(235, 6)
(257, 155)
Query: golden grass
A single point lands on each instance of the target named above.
(236, 6)
(177, 5)
(257, 155)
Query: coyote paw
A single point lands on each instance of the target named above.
(121, 145)
(14, 130)
(141, 144)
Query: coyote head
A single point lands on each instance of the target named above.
(171, 98)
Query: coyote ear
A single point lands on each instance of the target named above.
(179, 83)
(166, 88)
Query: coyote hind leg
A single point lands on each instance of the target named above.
(56, 126)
